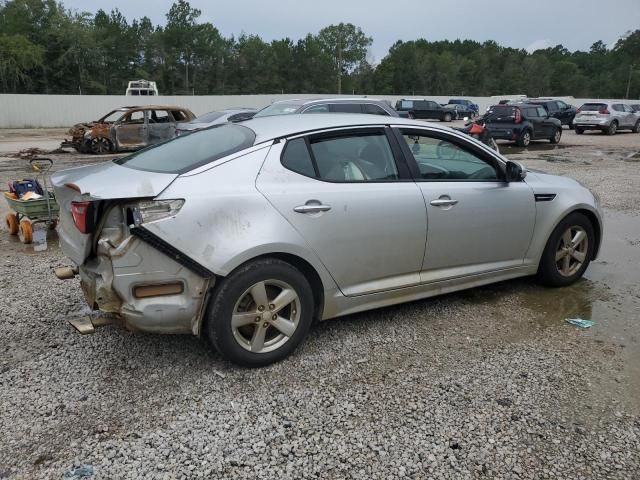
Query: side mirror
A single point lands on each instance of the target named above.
(515, 172)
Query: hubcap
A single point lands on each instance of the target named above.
(572, 251)
(266, 316)
(558, 134)
(526, 139)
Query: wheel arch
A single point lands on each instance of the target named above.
(597, 228)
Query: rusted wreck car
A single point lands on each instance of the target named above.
(127, 129)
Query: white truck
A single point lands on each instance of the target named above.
(141, 88)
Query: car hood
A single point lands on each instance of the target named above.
(109, 180)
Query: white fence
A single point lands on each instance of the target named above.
(44, 111)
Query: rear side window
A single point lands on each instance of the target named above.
(346, 108)
(617, 107)
(187, 152)
(296, 157)
(542, 112)
(593, 107)
(374, 109)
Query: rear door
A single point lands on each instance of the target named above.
(354, 203)
(531, 114)
(548, 122)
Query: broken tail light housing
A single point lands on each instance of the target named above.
(83, 216)
(153, 210)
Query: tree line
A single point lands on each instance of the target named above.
(47, 48)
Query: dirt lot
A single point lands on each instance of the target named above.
(486, 383)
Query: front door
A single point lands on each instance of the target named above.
(131, 131)
(353, 204)
(476, 222)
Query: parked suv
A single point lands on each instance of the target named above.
(329, 105)
(608, 117)
(522, 123)
(557, 109)
(468, 103)
(426, 109)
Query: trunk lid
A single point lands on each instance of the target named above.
(105, 181)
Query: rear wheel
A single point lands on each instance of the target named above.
(568, 251)
(260, 313)
(579, 131)
(12, 223)
(557, 135)
(524, 139)
(613, 128)
(26, 231)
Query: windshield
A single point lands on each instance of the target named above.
(181, 154)
(112, 116)
(281, 108)
(207, 117)
(593, 107)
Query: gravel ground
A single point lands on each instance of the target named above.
(487, 383)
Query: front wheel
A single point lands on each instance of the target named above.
(11, 219)
(557, 135)
(579, 131)
(25, 232)
(447, 117)
(100, 145)
(636, 127)
(260, 313)
(568, 251)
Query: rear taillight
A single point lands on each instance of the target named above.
(82, 213)
(604, 111)
(518, 115)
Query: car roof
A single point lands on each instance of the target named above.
(158, 107)
(279, 126)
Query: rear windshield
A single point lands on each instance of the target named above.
(593, 107)
(181, 154)
(278, 109)
(501, 111)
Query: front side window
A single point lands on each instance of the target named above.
(531, 112)
(134, 118)
(442, 160)
(296, 157)
(159, 116)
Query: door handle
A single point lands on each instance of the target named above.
(444, 202)
(309, 207)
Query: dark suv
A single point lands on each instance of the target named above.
(329, 105)
(522, 123)
(557, 109)
(426, 109)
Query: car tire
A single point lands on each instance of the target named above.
(524, 139)
(557, 135)
(411, 115)
(636, 127)
(447, 117)
(570, 125)
(251, 339)
(566, 256)
(613, 128)
(579, 131)
(100, 145)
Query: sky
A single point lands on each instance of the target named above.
(532, 24)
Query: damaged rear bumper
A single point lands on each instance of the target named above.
(173, 298)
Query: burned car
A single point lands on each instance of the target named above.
(127, 129)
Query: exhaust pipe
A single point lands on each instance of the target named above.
(88, 324)
(66, 273)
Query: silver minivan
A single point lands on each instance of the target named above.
(608, 117)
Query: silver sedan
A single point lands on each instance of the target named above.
(244, 233)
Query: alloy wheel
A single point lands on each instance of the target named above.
(557, 136)
(266, 316)
(572, 250)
